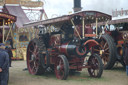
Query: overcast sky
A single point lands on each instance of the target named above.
(61, 7)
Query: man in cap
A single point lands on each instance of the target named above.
(4, 65)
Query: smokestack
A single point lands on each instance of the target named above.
(77, 5)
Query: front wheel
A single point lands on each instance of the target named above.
(62, 67)
(96, 66)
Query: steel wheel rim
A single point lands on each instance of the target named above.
(59, 68)
(32, 58)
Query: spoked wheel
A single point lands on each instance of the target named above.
(106, 50)
(62, 67)
(33, 58)
(96, 66)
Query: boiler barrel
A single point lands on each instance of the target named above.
(67, 48)
(73, 49)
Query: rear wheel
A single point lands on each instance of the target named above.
(96, 66)
(106, 50)
(62, 67)
(33, 58)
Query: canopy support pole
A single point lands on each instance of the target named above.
(3, 30)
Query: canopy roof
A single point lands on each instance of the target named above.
(19, 13)
(7, 17)
(90, 17)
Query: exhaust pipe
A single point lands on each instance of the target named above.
(77, 5)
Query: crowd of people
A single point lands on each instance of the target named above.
(5, 63)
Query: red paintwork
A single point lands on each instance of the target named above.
(91, 43)
(79, 28)
(63, 48)
(78, 52)
(55, 40)
(88, 30)
(90, 35)
(76, 63)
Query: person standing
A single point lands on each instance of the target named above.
(126, 57)
(9, 51)
(4, 65)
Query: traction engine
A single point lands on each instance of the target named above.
(113, 42)
(64, 44)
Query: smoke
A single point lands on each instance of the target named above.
(104, 5)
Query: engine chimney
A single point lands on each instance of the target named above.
(77, 5)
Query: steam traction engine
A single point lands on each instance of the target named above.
(113, 42)
(63, 44)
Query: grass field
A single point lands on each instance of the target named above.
(116, 76)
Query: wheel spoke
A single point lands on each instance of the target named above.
(104, 61)
(30, 50)
(106, 49)
(37, 63)
(37, 53)
(37, 58)
(102, 44)
(30, 61)
(107, 53)
(97, 71)
(60, 62)
(34, 64)
(96, 50)
(105, 45)
(61, 73)
(33, 69)
(35, 49)
(33, 44)
(93, 72)
(62, 67)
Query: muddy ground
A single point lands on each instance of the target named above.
(116, 76)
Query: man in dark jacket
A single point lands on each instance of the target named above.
(9, 51)
(126, 57)
(4, 65)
